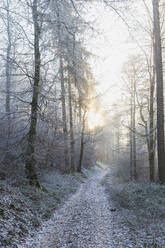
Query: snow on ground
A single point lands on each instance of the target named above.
(83, 222)
(24, 208)
(92, 219)
(140, 212)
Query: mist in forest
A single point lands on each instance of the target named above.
(82, 123)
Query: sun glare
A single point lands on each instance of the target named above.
(95, 120)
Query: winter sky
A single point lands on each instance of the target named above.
(112, 47)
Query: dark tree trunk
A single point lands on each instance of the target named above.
(63, 93)
(79, 168)
(8, 81)
(30, 156)
(160, 97)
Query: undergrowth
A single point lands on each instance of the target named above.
(142, 207)
(23, 208)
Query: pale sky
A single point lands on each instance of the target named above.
(113, 47)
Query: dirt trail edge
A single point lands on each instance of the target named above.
(83, 222)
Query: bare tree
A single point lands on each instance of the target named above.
(8, 76)
(30, 156)
(131, 75)
(160, 97)
(72, 152)
(79, 168)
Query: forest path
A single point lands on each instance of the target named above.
(83, 222)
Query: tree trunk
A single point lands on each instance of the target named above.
(72, 150)
(79, 168)
(160, 97)
(131, 139)
(64, 122)
(151, 122)
(134, 130)
(8, 81)
(63, 95)
(30, 156)
(133, 123)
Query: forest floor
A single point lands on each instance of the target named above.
(140, 211)
(83, 222)
(100, 215)
(24, 208)
(103, 213)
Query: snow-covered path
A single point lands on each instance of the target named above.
(83, 222)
